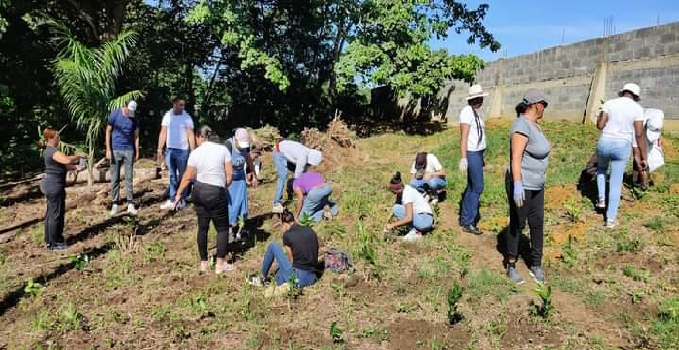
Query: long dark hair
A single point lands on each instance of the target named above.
(521, 108)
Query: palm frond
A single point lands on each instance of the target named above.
(121, 100)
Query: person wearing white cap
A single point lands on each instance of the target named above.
(472, 147)
(285, 152)
(122, 147)
(653, 123)
(620, 121)
(239, 146)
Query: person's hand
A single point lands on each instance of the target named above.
(108, 154)
(177, 199)
(388, 227)
(643, 164)
(159, 155)
(463, 165)
(136, 157)
(519, 194)
(254, 181)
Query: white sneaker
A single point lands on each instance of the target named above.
(131, 210)
(167, 205)
(114, 210)
(278, 208)
(412, 236)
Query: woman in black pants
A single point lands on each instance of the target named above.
(210, 165)
(525, 183)
(53, 186)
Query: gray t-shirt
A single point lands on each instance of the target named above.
(535, 156)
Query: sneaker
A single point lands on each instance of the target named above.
(513, 275)
(412, 236)
(537, 273)
(255, 280)
(278, 208)
(226, 267)
(612, 223)
(58, 247)
(167, 205)
(114, 210)
(601, 204)
(131, 210)
(327, 213)
(472, 229)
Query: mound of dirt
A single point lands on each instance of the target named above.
(265, 137)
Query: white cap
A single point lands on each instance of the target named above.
(633, 88)
(315, 157)
(243, 138)
(132, 105)
(654, 123)
(476, 91)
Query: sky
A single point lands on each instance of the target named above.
(525, 26)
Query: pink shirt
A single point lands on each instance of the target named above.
(307, 181)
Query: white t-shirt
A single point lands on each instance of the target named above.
(467, 117)
(209, 159)
(176, 129)
(433, 165)
(411, 195)
(622, 113)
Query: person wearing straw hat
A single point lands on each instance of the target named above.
(241, 162)
(122, 147)
(472, 147)
(620, 122)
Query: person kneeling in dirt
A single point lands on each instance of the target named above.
(297, 258)
(313, 196)
(294, 152)
(239, 147)
(428, 175)
(210, 165)
(413, 210)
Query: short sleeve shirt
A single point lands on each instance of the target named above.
(307, 181)
(303, 242)
(622, 113)
(209, 159)
(177, 126)
(122, 136)
(476, 141)
(535, 156)
(433, 165)
(411, 195)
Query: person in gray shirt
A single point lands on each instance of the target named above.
(525, 183)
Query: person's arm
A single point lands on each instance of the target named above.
(191, 136)
(162, 138)
(136, 144)
(188, 176)
(406, 219)
(109, 130)
(641, 143)
(300, 166)
(228, 169)
(251, 171)
(518, 145)
(300, 201)
(464, 136)
(288, 253)
(61, 158)
(602, 120)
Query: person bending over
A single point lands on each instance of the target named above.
(313, 196)
(412, 211)
(291, 152)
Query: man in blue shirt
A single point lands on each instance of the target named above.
(122, 147)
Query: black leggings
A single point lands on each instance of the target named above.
(211, 204)
(54, 216)
(533, 209)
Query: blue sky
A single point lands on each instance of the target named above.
(524, 26)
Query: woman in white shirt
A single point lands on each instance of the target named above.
(620, 122)
(472, 147)
(413, 210)
(210, 166)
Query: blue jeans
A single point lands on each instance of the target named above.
(433, 184)
(282, 169)
(469, 211)
(176, 160)
(316, 200)
(422, 222)
(616, 152)
(274, 251)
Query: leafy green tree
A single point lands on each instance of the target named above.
(87, 80)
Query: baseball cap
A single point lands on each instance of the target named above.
(242, 137)
(633, 88)
(132, 105)
(534, 96)
(315, 157)
(654, 123)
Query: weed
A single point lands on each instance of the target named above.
(487, 282)
(569, 255)
(306, 220)
(367, 251)
(199, 304)
(495, 330)
(594, 298)
(33, 288)
(666, 327)
(336, 333)
(38, 235)
(639, 275)
(631, 243)
(70, 319)
(154, 252)
(80, 260)
(573, 210)
(373, 331)
(245, 302)
(636, 296)
(454, 296)
(544, 309)
(42, 321)
(669, 309)
(656, 224)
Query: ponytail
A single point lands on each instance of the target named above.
(47, 134)
(521, 108)
(205, 132)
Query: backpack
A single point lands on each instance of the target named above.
(338, 261)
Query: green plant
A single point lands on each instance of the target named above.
(545, 308)
(573, 210)
(669, 309)
(656, 224)
(80, 260)
(636, 296)
(42, 321)
(367, 251)
(199, 304)
(569, 255)
(306, 220)
(454, 296)
(336, 333)
(294, 289)
(33, 288)
(639, 275)
(630, 243)
(70, 319)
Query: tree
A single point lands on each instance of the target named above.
(87, 80)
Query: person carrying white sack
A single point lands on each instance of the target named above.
(653, 124)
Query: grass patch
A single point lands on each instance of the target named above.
(487, 282)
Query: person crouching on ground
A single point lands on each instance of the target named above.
(413, 210)
(297, 257)
(313, 196)
(472, 147)
(525, 183)
(293, 152)
(122, 147)
(428, 175)
(210, 165)
(243, 175)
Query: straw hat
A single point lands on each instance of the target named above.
(476, 91)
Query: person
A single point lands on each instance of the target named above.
(53, 187)
(298, 256)
(620, 122)
(412, 211)
(239, 147)
(472, 148)
(285, 152)
(210, 166)
(122, 147)
(256, 156)
(176, 133)
(428, 175)
(525, 183)
(313, 197)
(653, 123)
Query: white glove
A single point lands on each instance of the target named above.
(463, 165)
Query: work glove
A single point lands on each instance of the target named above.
(463, 165)
(519, 194)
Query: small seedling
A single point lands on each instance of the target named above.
(569, 255)
(573, 210)
(70, 318)
(80, 260)
(545, 308)
(293, 283)
(639, 275)
(33, 288)
(336, 333)
(306, 220)
(454, 296)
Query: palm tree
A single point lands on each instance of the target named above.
(87, 78)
